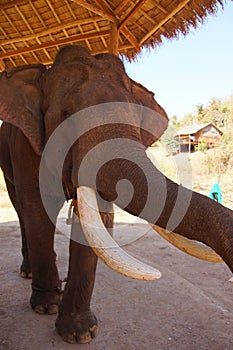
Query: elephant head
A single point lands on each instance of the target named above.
(117, 119)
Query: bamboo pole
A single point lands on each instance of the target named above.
(166, 19)
(131, 13)
(113, 39)
(72, 39)
(96, 10)
(51, 30)
(131, 38)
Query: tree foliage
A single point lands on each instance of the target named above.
(219, 112)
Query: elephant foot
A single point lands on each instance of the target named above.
(77, 327)
(46, 302)
(25, 269)
(25, 274)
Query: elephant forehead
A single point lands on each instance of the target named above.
(71, 53)
(68, 79)
(73, 65)
(65, 77)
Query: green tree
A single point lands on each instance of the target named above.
(217, 112)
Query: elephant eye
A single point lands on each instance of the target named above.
(66, 113)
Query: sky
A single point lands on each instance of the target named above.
(190, 70)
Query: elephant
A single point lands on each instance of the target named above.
(111, 120)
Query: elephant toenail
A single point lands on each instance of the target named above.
(40, 309)
(52, 309)
(84, 338)
(94, 331)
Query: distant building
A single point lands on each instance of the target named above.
(191, 137)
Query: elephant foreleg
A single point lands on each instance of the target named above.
(76, 322)
(21, 167)
(40, 242)
(25, 269)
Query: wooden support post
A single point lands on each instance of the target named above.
(113, 39)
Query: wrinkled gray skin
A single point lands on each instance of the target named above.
(33, 102)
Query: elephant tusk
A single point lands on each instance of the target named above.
(193, 248)
(103, 244)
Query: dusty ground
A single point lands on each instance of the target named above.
(190, 308)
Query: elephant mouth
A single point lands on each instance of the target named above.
(116, 258)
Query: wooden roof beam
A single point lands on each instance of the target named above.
(95, 52)
(72, 39)
(96, 10)
(49, 30)
(43, 24)
(56, 16)
(165, 11)
(130, 38)
(53, 11)
(149, 19)
(120, 6)
(24, 19)
(120, 48)
(114, 30)
(105, 7)
(37, 14)
(12, 3)
(113, 39)
(131, 13)
(10, 21)
(70, 9)
(166, 19)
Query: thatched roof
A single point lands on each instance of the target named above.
(32, 31)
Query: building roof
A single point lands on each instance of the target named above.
(32, 31)
(193, 129)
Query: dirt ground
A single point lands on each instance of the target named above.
(189, 308)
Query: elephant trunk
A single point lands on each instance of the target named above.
(160, 201)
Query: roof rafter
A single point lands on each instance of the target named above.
(130, 38)
(114, 31)
(131, 13)
(12, 3)
(96, 10)
(55, 43)
(104, 7)
(95, 52)
(166, 19)
(121, 6)
(49, 30)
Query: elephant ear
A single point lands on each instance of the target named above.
(155, 122)
(20, 102)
